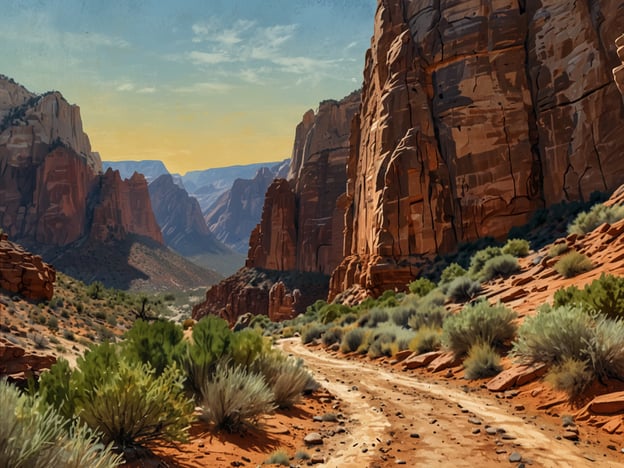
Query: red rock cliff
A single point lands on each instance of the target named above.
(618, 72)
(300, 227)
(51, 189)
(474, 114)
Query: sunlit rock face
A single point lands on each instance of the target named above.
(474, 115)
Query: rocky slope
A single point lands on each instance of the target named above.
(300, 232)
(24, 273)
(474, 116)
(237, 211)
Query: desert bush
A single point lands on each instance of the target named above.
(503, 265)
(572, 264)
(285, 376)
(589, 220)
(311, 332)
(235, 398)
(606, 348)
(482, 361)
(302, 455)
(421, 287)
(374, 317)
(134, 406)
(388, 339)
(381, 345)
(401, 314)
(454, 270)
(352, 340)
(96, 290)
(605, 295)
(279, 457)
(246, 346)
(332, 335)
(558, 249)
(426, 339)
(210, 343)
(53, 323)
(516, 247)
(463, 289)
(158, 343)
(56, 389)
(34, 434)
(331, 312)
(478, 260)
(555, 334)
(432, 316)
(571, 376)
(478, 323)
(348, 319)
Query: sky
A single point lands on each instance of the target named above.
(194, 83)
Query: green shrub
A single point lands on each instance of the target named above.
(421, 286)
(158, 343)
(605, 295)
(432, 316)
(388, 339)
(478, 260)
(503, 265)
(134, 407)
(311, 332)
(96, 290)
(555, 334)
(558, 249)
(572, 264)
(235, 398)
(606, 349)
(381, 345)
(478, 323)
(302, 455)
(210, 343)
(588, 221)
(352, 340)
(246, 346)
(279, 457)
(34, 434)
(331, 312)
(426, 339)
(53, 323)
(454, 270)
(332, 335)
(374, 317)
(516, 247)
(571, 376)
(482, 361)
(463, 289)
(401, 314)
(286, 377)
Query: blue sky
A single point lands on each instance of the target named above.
(194, 83)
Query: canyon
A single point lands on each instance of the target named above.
(472, 117)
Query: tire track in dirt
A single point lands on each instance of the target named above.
(389, 409)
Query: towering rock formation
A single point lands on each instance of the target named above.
(301, 229)
(236, 212)
(298, 241)
(474, 114)
(52, 192)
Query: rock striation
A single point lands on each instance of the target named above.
(301, 227)
(52, 192)
(473, 116)
(298, 241)
(24, 273)
(237, 211)
(618, 72)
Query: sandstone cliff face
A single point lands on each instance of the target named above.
(181, 219)
(123, 207)
(473, 116)
(235, 213)
(24, 273)
(51, 190)
(301, 229)
(618, 72)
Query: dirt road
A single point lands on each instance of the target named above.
(395, 418)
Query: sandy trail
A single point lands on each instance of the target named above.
(389, 409)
